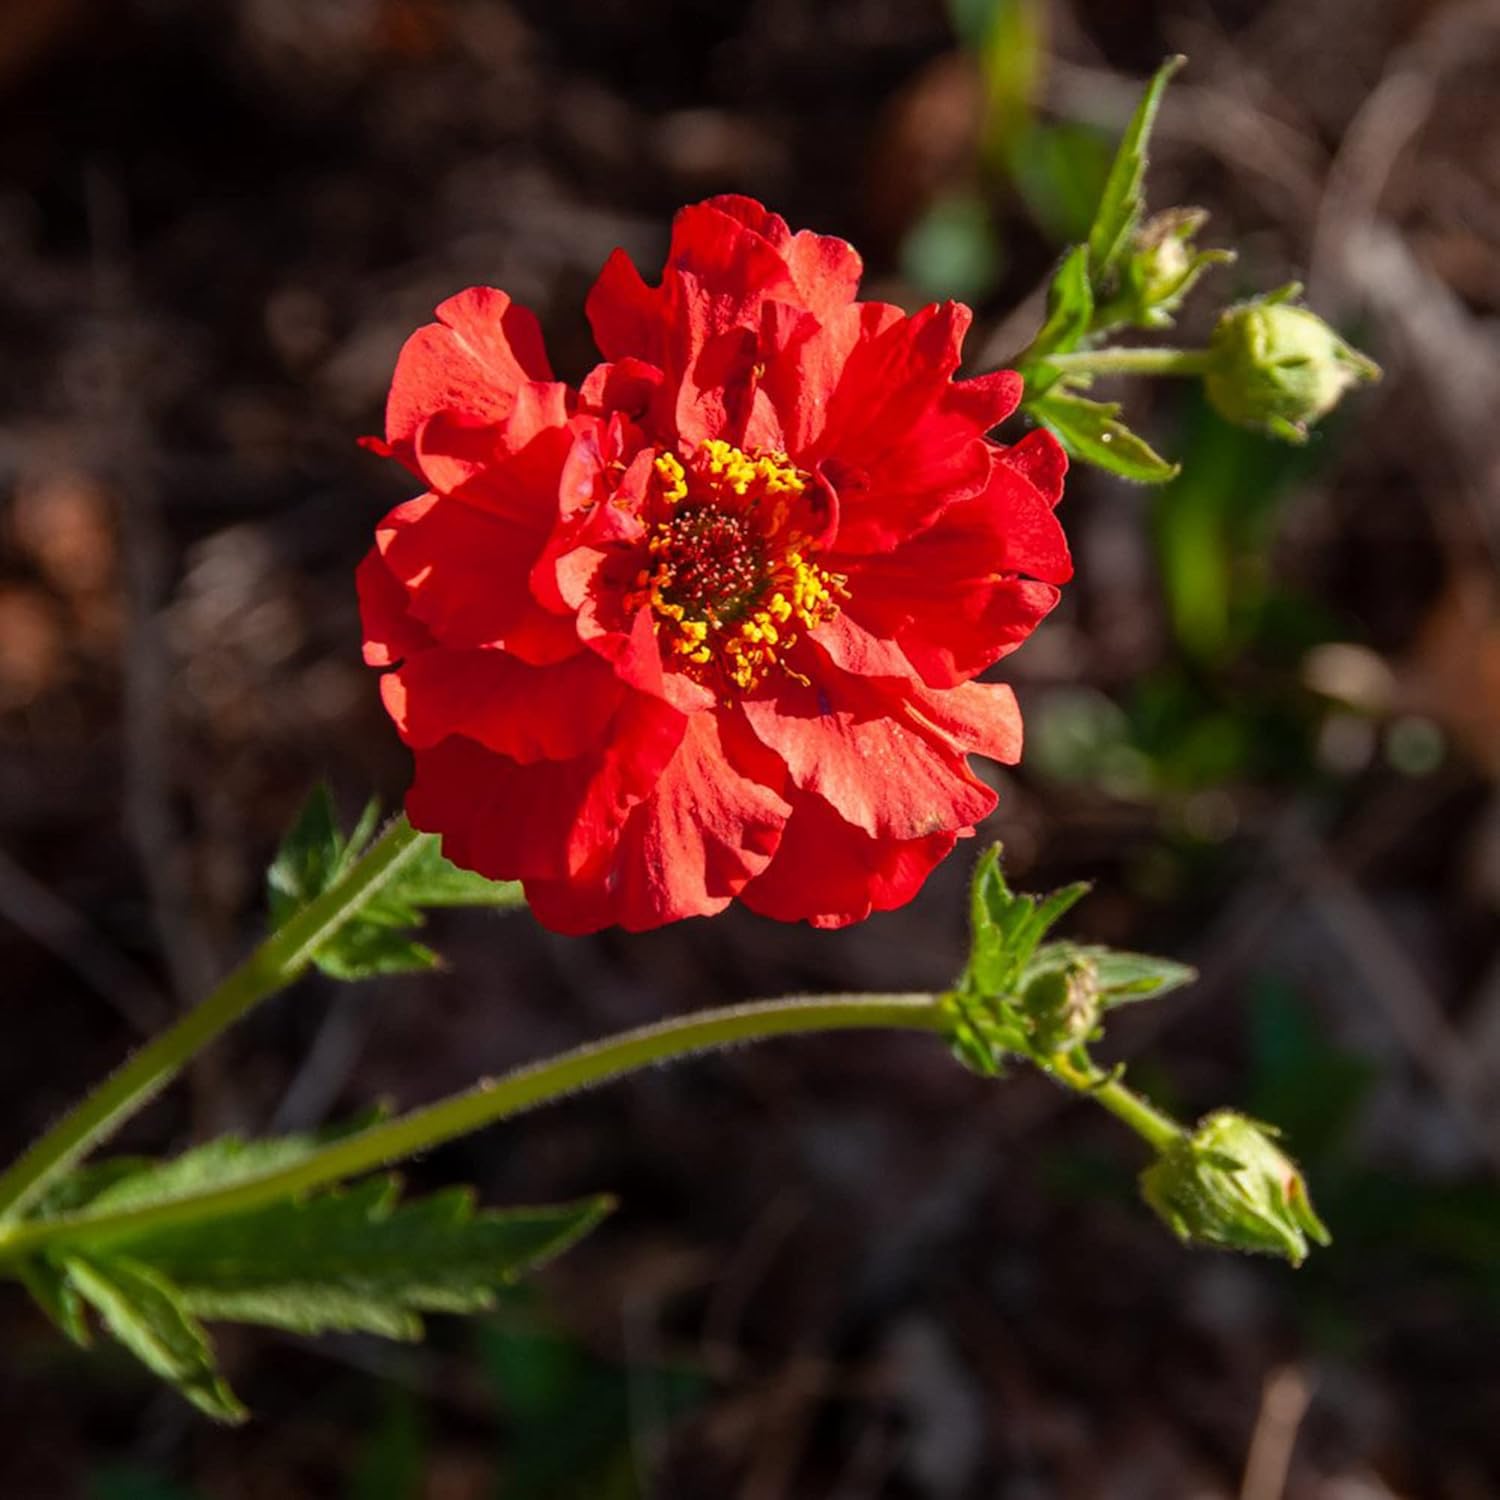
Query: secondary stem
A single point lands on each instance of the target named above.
(273, 966)
(1133, 361)
(493, 1100)
(1158, 1129)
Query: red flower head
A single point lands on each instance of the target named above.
(706, 629)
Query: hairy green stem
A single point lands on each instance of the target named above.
(1132, 362)
(274, 965)
(1158, 1129)
(488, 1102)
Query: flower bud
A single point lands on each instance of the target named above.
(1061, 1005)
(1163, 265)
(1229, 1184)
(1279, 367)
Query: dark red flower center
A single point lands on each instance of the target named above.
(731, 580)
(718, 563)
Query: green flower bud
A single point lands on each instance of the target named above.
(1061, 1006)
(1229, 1184)
(1163, 265)
(1279, 367)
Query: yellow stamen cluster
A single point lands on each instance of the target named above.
(731, 587)
(774, 473)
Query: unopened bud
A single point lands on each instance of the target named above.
(1279, 367)
(1229, 1184)
(1061, 1005)
(1164, 265)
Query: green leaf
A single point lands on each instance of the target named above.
(1006, 928)
(1121, 977)
(1091, 431)
(1070, 310)
(356, 1259)
(136, 1181)
(315, 856)
(146, 1313)
(310, 858)
(57, 1297)
(1121, 204)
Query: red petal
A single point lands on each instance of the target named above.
(627, 385)
(464, 571)
(1042, 460)
(830, 873)
(390, 632)
(901, 441)
(825, 269)
(951, 597)
(528, 713)
(712, 824)
(841, 741)
(977, 718)
(471, 363)
(549, 819)
(457, 457)
(625, 313)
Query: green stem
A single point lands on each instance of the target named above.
(1158, 1129)
(273, 966)
(489, 1101)
(1133, 362)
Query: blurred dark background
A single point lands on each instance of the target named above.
(1266, 721)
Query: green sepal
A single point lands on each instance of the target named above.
(1121, 203)
(1092, 432)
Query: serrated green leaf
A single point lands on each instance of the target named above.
(1070, 311)
(310, 858)
(1091, 431)
(146, 1313)
(315, 856)
(82, 1185)
(1122, 977)
(136, 1181)
(430, 880)
(1121, 203)
(1006, 928)
(356, 1259)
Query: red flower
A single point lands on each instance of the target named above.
(706, 629)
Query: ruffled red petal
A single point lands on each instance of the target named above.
(527, 713)
(973, 585)
(464, 572)
(712, 824)
(880, 768)
(391, 634)
(829, 873)
(469, 364)
(546, 819)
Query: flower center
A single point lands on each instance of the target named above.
(729, 577)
